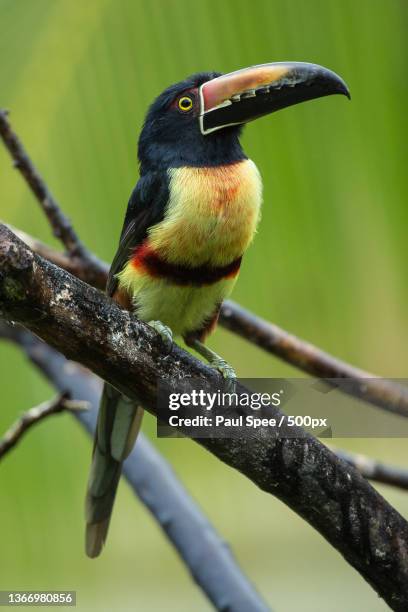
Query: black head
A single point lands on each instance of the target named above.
(197, 122)
(171, 135)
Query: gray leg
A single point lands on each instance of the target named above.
(216, 362)
(165, 333)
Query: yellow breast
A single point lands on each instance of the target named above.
(211, 216)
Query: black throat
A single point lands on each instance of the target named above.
(160, 151)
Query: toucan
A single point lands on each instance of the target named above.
(190, 218)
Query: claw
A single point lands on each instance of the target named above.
(165, 333)
(227, 372)
(216, 362)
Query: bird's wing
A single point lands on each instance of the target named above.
(146, 208)
(119, 418)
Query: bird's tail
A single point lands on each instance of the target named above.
(118, 425)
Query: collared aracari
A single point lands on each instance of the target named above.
(190, 218)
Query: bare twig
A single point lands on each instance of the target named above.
(60, 224)
(273, 339)
(376, 470)
(327, 492)
(205, 553)
(314, 361)
(96, 275)
(33, 416)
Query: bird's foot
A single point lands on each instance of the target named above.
(226, 371)
(218, 363)
(165, 333)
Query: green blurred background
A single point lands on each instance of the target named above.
(329, 264)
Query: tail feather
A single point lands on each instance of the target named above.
(118, 425)
(103, 473)
(125, 428)
(95, 538)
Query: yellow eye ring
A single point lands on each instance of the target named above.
(185, 104)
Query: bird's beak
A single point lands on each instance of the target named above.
(244, 95)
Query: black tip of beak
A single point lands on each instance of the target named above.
(321, 80)
(343, 89)
(339, 86)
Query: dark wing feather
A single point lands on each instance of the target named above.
(146, 207)
(119, 418)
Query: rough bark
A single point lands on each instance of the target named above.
(328, 493)
(204, 552)
(271, 338)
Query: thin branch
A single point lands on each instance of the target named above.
(95, 274)
(205, 553)
(61, 225)
(275, 340)
(33, 416)
(305, 356)
(376, 470)
(331, 495)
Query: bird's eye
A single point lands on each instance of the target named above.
(185, 104)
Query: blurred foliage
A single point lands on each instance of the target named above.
(329, 263)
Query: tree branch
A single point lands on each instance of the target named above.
(328, 493)
(205, 553)
(95, 275)
(370, 468)
(376, 470)
(33, 416)
(271, 338)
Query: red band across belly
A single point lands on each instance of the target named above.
(146, 259)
